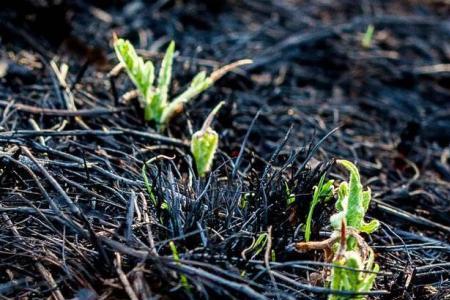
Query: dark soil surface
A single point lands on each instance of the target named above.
(76, 219)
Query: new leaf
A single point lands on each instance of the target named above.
(353, 202)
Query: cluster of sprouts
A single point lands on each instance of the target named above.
(353, 267)
(154, 97)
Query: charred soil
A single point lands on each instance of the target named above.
(77, 219)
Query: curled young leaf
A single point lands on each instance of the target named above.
(369, 227)
(342, 197)
(165, 73)
(204, 143)
(203, 147)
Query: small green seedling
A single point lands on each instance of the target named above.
(353, 202)
(204, 144)
(154, 98)
(245, 198)
(321, 191)
(353, 268)
(147, 184)
(257, 246)
(350, 273)
(368, 36)
(290, 196)
(176, 258)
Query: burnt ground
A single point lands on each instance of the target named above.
(76, 219)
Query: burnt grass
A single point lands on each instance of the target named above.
(76, 219)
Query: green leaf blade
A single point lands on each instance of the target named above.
(165, 74)
(320, 191)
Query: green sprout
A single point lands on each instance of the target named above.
(368, 36)
(350, 273)
(147, 184)
(176, 258)
(204, 144)
(154, 98)
(245, 198)
(258, 246)
(353, 268)
(290, 196)
(321, 191)
(353, 202)
(352, 205)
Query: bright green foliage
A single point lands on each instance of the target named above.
(141, 73)
(155, 99)
(203, 148)
(321, 191)
(353, 202)
(204, 144)
(352, 280)
(158, 99)
(174, 250)
(353, 270)
(260, 243)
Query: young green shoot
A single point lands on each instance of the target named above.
(321, 191)
(351, 271)
(245, 198)
(290, 196)
(257, 245)
(148, 186)
(353, 268)
(353, 202)
(204, 144)
(155, 98)
(368, 37)
(176, 258)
